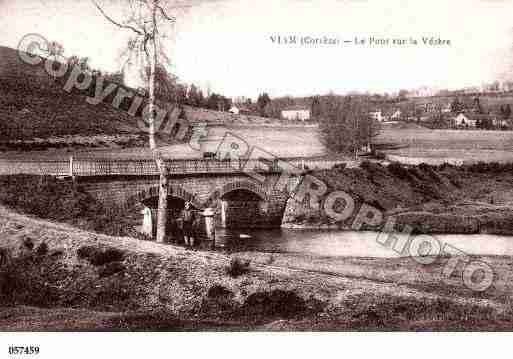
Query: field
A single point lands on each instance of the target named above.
(283, 141)
(421, 144)
(488, 146)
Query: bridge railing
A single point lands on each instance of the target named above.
(141, 167)
(45, 167)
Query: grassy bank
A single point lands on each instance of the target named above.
(64, 201)
(56, 277)
(474, 198)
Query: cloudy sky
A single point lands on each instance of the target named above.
(226, 45)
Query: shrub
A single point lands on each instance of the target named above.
(278, 302)
(4, 257)
(489, 167)
(339, 166)
(372, 168)
(42, 249)
(430, 171)
(110, 269)
(45, 197)
(237, 267)
(429, 190)
(398, 171)
(99, 257)
(23, 281)
(218, 291)
(28, 243)
(62, 200)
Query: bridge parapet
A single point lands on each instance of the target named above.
(147, 167)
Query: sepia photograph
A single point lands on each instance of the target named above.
(225, 166)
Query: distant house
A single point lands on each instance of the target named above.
(296, 113)
(500, 123)
(428, 107)
(240, 110)
(463, 120)
(234, 109)
(395, 115)
(475, 120)
(377, 115)
(484, 121)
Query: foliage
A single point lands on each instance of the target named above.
(62, 200)
(262, 101)
(98, 257)
(489, 167)
(399, 171)
(23, 281)
(110, 268)
(45, 197)
(278, 302)
(347, 126)
(237, 267)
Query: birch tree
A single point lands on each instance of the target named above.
(145, 20)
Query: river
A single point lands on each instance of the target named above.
(337, 243)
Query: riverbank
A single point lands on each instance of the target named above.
(466, 199)
(57, 277)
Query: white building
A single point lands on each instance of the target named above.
(296, 113)
(377, 115)
(234, 109)
(463, 120)
(396, 115)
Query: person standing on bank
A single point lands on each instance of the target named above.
(187, 217)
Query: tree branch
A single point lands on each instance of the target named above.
(114, 21)
(164, 14)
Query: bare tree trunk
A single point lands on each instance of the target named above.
(162, 210)
(146, 30)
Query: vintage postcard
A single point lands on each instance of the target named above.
(242, 166)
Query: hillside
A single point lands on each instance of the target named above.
(475, 198)
(33, 105)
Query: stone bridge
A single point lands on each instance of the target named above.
(240, 200)
(242, 191)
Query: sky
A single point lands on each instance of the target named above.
(227, 47)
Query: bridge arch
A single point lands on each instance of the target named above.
(241, 204)
(174, 191)
(249, 186)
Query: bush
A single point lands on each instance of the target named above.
(99, 257)
(429, 190)
(218, 291)
(62, 200)
(281, 303)
(372, 168)
(489, 167)
(430, 171)
(42, 249)
(45, 197)
(339, 166)
(237, 267)
(110, 269)
(24, 281)
(398, 171)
